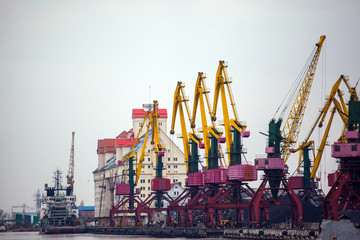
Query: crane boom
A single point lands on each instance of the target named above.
(179, 98)
(291, 128)
(198, 98)
(70, 176)
(231, 125)
(142, 155)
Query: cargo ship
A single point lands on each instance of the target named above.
(58, 212)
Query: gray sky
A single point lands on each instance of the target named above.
(83, 65)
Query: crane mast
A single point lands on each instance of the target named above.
(291, 129)
(70, 177)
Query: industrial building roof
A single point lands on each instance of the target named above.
(112, 161)
(87, 208)
(106, 145)
(125, 142)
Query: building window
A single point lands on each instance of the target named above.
(149, 166)
(168, 166)
(168, 159)
(175, 166)
(148, 159)
(148, 188)
(148, 150)
(148, 180)
(175, 159)
(142, 180)
(175, 180)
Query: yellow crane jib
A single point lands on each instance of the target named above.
(292, 125)
(200, 90)
(222, 80)
(179, 99)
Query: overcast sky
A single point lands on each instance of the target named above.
(83, 65)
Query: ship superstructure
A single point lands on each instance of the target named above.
(58, 212)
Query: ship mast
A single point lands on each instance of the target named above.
(70, 177)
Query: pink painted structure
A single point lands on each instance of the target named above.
(196, 179)
(296, 182)
(269, 150)
(221, 139)
(217, 176)
(332, 177)
(245, 134)
(345, 150)
(243, 172)
(269, 163)
(352, 135)
(122, 189)
(160, 184)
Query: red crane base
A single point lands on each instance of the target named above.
(342, 196)
(259, 204)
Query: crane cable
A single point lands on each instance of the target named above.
(294, 88)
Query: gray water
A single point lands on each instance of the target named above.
(81, 236)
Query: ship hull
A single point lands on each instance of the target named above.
(48, 229)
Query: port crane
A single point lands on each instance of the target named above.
(127, 190)
(231, 197)
(278, 151)
(159, 185)
(213, 176)
(344, 194)
(304, 148)
(191, 143)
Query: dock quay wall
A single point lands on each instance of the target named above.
(235, 233)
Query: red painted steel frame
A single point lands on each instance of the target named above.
(341, 197)
(178, 205)
(263, 199)
(146, 206)
(212, 200)
(119, 208)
